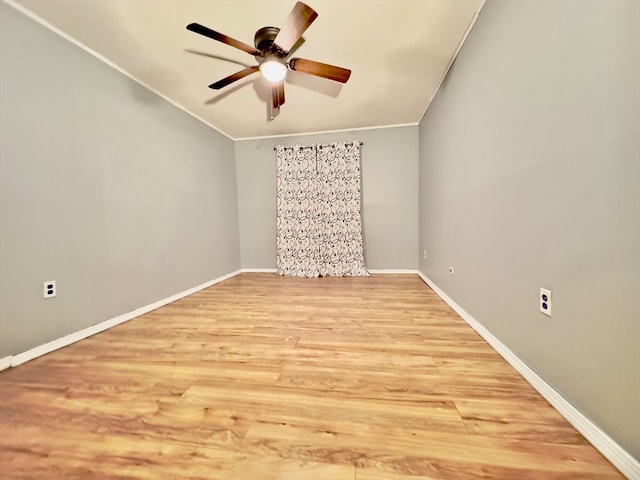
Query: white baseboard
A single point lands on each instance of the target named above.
(15, 360)
(257, 270)
(619, 457)
(391, 271)
(5, 363)
(372, 271)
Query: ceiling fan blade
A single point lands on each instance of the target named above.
(232, 78)
(207, 32)
(318, 69)
(277, 94)
(295, 25)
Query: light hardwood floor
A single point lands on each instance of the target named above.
(266, 377)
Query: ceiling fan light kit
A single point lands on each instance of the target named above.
(273, 70)
(273, 46)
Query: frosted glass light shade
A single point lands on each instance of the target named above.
(273, 70)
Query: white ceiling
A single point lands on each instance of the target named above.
(398, 51)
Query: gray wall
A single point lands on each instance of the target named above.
(529, 177)
(389, 195)
(104, 187)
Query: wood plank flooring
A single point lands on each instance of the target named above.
(266, 377)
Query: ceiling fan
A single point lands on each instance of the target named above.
(273, 46)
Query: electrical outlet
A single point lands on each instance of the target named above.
(424, 254)
(49, 289)
(545, 301)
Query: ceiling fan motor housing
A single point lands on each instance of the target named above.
(263, 41)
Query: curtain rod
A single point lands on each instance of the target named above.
(319, 145)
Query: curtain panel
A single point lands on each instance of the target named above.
(318, 224)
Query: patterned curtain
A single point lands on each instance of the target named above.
(341, 225)
(319, 228)
(298, 252)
